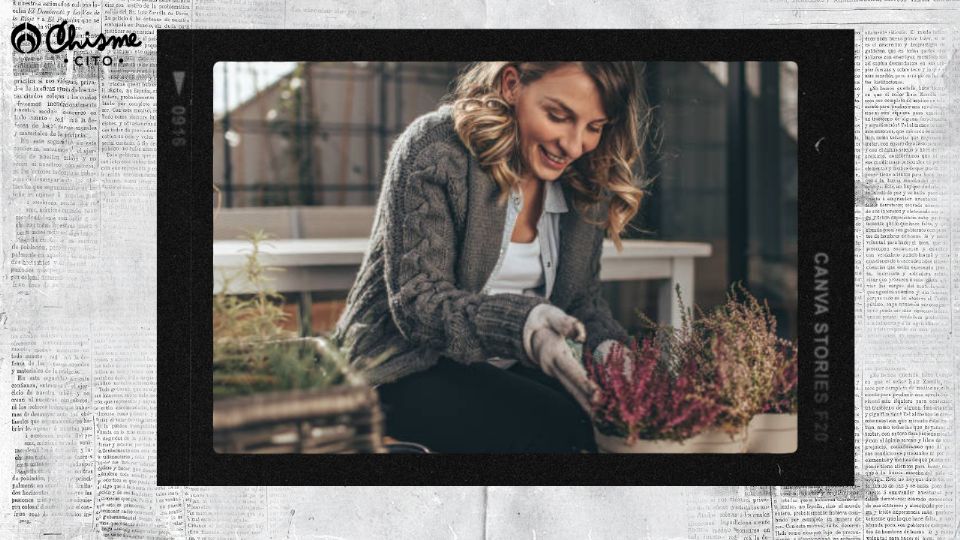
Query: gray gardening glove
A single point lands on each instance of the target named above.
(545, 341)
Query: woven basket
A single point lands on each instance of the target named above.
(342, 419)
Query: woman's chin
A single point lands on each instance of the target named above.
(547, 174)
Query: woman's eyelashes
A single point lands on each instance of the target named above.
(555, 117)
(559, 119)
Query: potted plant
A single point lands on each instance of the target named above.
(747, 331)
(701, 383)
(275, 392)
(743, 340)
(648, 405)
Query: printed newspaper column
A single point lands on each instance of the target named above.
(240, 14)
(903, 191)
(226, 511)
(51, 429)
(819, 511)
(125, 402)
(905, 446)
(908, 450)
(951, 77)
(129, 503)
(50, 243)
(729, 512)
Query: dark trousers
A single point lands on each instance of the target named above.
(480, 408)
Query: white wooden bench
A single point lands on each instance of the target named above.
(331, 264)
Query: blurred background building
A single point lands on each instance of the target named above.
(724, 156)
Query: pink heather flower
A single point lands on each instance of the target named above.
(647, 400)
(717, 370)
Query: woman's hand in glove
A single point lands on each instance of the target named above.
(545, 341)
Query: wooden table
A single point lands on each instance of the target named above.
(332, 264)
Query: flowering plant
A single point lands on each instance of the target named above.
(784, 397)
(761, 366)
(716, 370)
(642, 397)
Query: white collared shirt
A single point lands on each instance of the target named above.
(529, 268)
(548, 233)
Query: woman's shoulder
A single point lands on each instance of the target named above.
(433, 125)
(431, 141)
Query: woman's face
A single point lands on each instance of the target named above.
(560, 117)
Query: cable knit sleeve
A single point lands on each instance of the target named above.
(590, 307)
(420, 251)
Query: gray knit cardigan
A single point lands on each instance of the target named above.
(435, 240)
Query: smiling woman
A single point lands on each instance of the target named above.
(479, 298)
(549, 126)
(513, 115)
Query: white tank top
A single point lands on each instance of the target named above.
(521, 271)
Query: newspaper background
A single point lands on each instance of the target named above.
(78, 311)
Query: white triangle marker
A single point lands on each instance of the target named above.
(178, 80)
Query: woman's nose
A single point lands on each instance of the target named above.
(572, 144)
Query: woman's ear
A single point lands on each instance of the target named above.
(510, 84)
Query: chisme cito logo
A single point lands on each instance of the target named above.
(26, 38)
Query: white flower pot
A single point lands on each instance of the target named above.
(772, 434)
(713, 441)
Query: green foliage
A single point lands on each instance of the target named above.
(275, 366)
(253, 353)
(238, 320)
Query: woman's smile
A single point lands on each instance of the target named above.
(552, 161)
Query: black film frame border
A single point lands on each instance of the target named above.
(825, 59)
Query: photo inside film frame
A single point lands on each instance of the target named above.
(396, 242)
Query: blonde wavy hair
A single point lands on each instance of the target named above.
(487, 126)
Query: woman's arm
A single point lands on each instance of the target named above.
(590, 307)
(420, 251)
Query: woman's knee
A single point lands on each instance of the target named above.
(483, 408)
